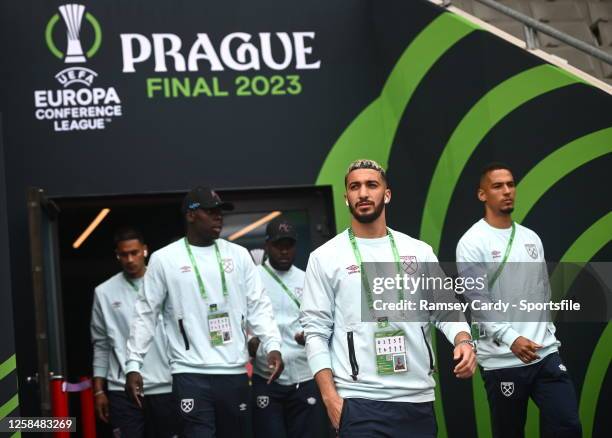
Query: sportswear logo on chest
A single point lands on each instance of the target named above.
(228, 265)
(409, 264)
(532, 250)
(187, 405)
(263, 401)
(507, 388)
(185, 269)
(116, 305)
(353, 269)
(495, 254)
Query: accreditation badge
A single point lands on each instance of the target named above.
(390, 348)
(478, 331)
(219, 328)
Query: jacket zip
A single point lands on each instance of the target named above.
(431, 359)
(352, 358)
(184, 334)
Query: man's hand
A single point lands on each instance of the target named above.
(525, 349)
(101, 406)
(466, 356)
(334, 410)
(300, 338)
(275, 365)
(253, 345)
(134, 387)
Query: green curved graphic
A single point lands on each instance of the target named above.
(584, 248)
(97, 34)
(371, 133)
(535, 184)
(482, 117)
(557, 165)
(8, 366)
(594, 379)
(581, 251)
(49, 36)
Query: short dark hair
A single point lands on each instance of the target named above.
(127, 233)
(366, 164)
(490, 167)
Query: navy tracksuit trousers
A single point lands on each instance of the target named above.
(158, 418)
(550, 387)
(286, 411)
(362, 418)
(213, 405)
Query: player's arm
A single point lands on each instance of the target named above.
(101, 354)
(332, 400)
(260, 318)
(317, 319)
(146, 313)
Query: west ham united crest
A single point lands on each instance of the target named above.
(507, 388)
(228, 265)
(532, 250)
(409, 264)
(263, 401)
(187, 405)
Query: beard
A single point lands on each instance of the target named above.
(368, 218)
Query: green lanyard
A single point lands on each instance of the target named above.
(130, 282)
(503, 262)
(197, 271)
(364, 276)
(283, 285)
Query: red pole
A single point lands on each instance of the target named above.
(59, 402)
(88, 419)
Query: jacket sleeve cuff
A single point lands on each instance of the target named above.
(509, 336)
(131, 366)
(319, 362)
(272, 346)
(454, 329)
(100, 371)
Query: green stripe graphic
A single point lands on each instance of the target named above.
(372, 132)
(482, 117)
(9, 406)
(8, 366)
(557, 165)
(594, 379)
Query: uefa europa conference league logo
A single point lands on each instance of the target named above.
(77, 105)
(175, 64)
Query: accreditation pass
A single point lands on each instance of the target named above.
(219, 329)
(390, 352)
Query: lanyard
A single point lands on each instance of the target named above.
(364, 276)
(506, 254)
(197, 271)
(282, 284)
(130, 282)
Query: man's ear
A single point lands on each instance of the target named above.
(482, 197)
(189, 216)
